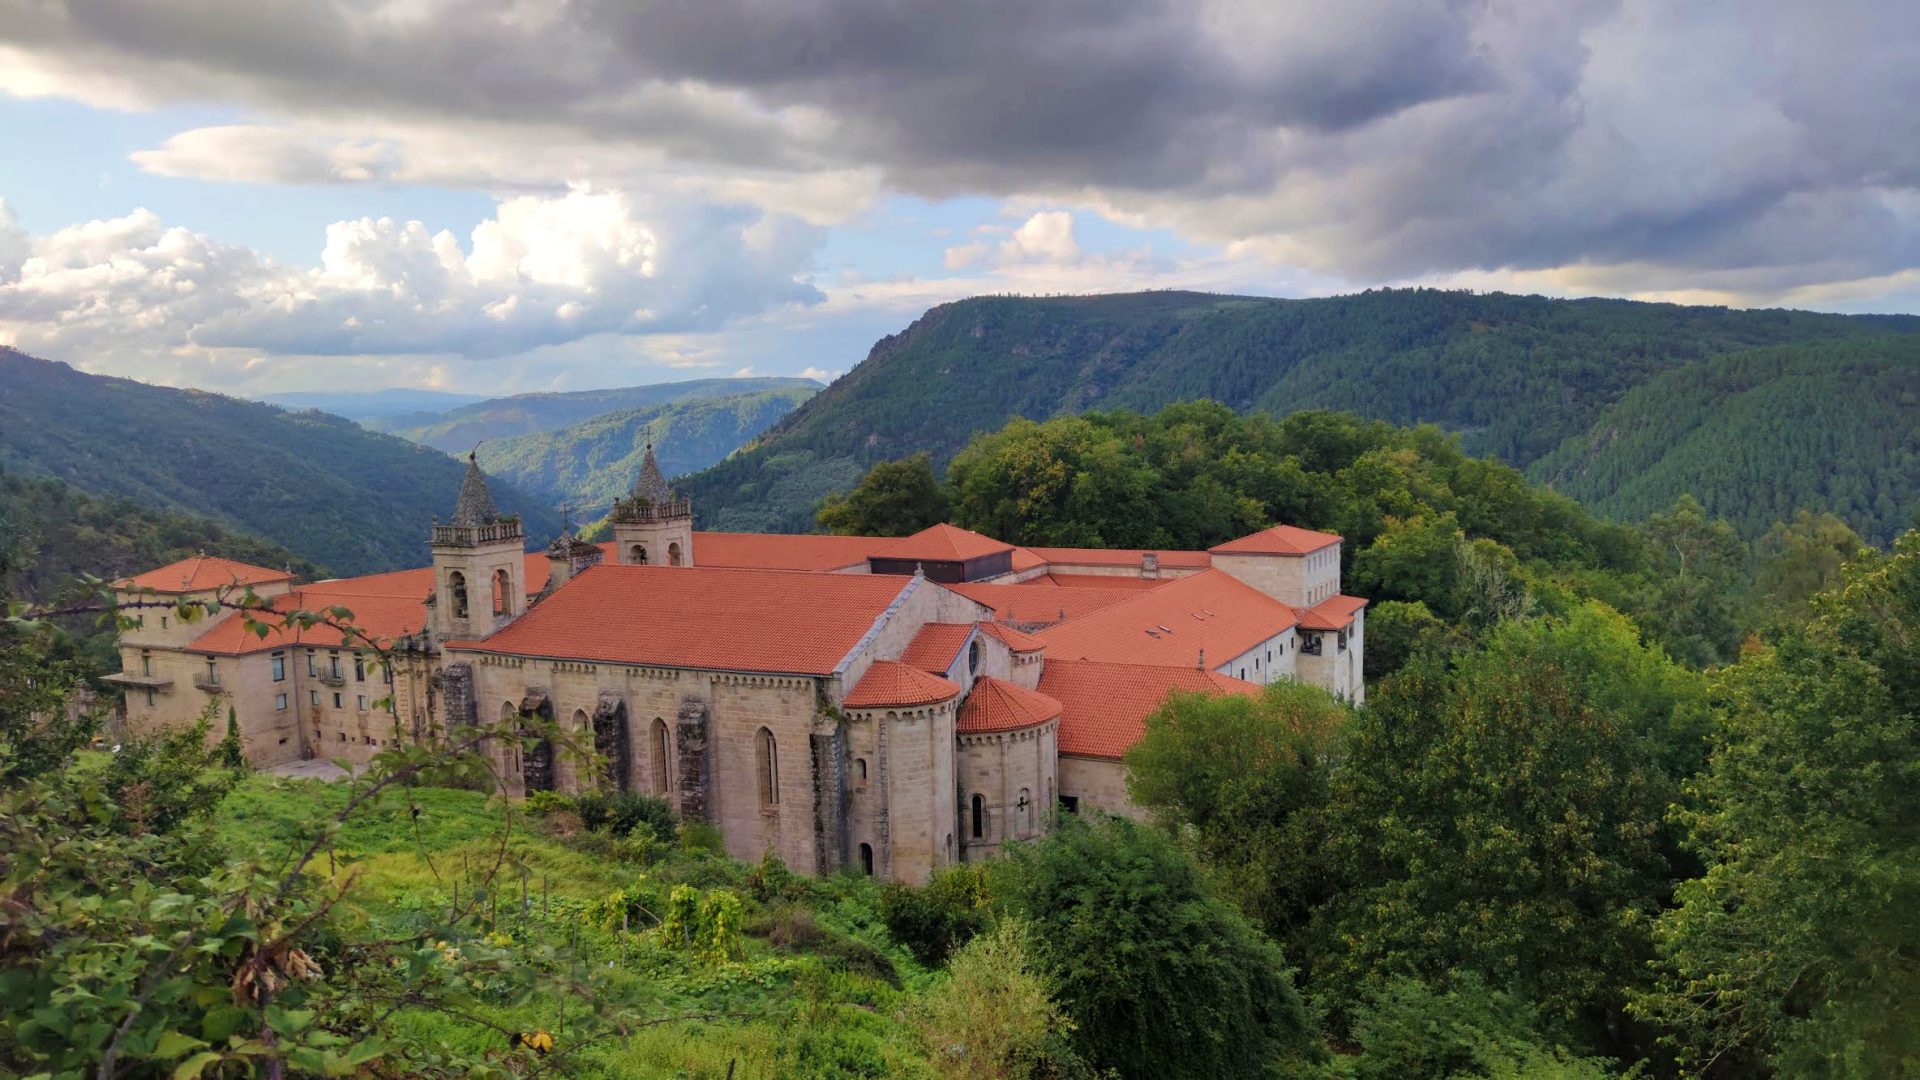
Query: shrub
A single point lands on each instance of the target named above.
(699, 836)
(995, 1015)
(628, 810)
(1466, 1030)
(771, 881)
(544, 803)
(593, 810)
(939, 917)
(792, 927)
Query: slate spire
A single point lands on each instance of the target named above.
(652, 484)
(476, 502)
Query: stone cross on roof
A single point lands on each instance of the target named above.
(652, 484)
(476, 502)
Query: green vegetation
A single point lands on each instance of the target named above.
(458, 430)
(1515, 376)
(895, 498)
(1758, 435)
(331, 491)
(591, 463)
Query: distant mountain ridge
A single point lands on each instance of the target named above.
(364, 405)
(591, 463)
(1516, 376)
(459, 429)
(350, 499)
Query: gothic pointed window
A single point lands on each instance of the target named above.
(767, 761)
(662, 756)
(979, 817)
(457, 589)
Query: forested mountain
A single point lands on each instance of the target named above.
(589, 464)
(457, 430)
(1515, 375)
(326, 488)
(1756, 435)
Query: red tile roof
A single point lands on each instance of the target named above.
(936, 646)
(892, 684)
(1333, 613)
(1170, 625)
(380, 617)
(1103, 581)
(702, 617)
(1104, 707)
(1040, 601)
(1279, 540)
(202, 573)
(1016, 640)
(940, 543)
(998, 705)
(773, 551)
(1179, 560)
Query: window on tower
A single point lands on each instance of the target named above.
(457, 589)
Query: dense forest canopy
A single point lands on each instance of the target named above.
(1515, 376)
(323, 487)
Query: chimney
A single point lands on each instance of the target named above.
(1150, 565)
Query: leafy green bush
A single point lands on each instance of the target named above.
(698, 836)
(770, 881)
(544, 803)
(628, 810)
(939, 917)
(1465, 1030)
(160, 781)
(592, 808)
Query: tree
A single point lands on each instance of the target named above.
(1251, 779)
(994, 1017)
(1800, 944)
(895, 498)
(1396, 632)
(1464, 1030)
(1414, 560)
(1160, 976)
(1692, 597)
(1796, 560)
(1503, 814)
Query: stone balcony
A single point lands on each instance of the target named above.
(641, 512)
(495, 532)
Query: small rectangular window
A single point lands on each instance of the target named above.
(336, 701)
(311, 670)
(280, 702)
(279, 667)
(363, 703)
(359, 669)
(163, 622)
(1070, 803)
(333, 664)
(146, 664)
(149, 697)
(314, 696)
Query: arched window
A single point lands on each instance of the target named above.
(639, 554)
(866, 859)
(662, 756)
(457, 589)
(860, 769)
(1026, 812)
(502, 593)
(509, 710)
(973, 657)
(673, 554)
(767, 763)
(979, 817)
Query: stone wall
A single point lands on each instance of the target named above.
(1099, 784)
(1000, 768)
(1297, 580)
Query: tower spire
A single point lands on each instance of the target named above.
(651, 485)
(476, 502)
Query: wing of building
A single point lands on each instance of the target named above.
(891, 704)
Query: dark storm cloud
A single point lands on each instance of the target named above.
(1366, 137)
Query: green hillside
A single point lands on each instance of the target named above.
(1515, 375)
(347, 498)
(591, 463)
(1756, 435)
(456, 431)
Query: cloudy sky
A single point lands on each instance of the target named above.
(262, 195)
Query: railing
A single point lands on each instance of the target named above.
(636, 512)
(209, 683)
(331, 678)
(474, 535)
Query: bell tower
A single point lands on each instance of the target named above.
(651, 526)
(479, 559)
